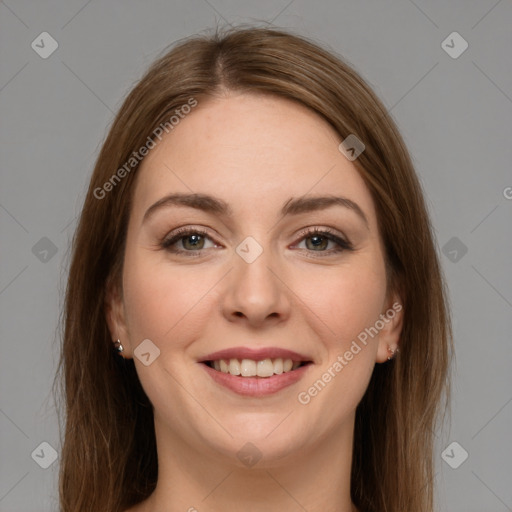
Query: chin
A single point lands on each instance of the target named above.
(260, 440)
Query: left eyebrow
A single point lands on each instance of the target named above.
(311, 204)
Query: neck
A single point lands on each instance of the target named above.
(316, 478)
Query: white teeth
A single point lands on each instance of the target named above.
(250, 368)
(265, 368)
(234, 367)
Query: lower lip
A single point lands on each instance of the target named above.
(257, 386)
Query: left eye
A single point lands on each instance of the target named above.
(318, 241)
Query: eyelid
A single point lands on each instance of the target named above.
(320, 230)
(179, 233)
(335, 236)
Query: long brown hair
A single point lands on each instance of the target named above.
(109, 459)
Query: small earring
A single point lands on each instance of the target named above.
(118, 346)
(392, 351)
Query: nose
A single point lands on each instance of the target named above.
(255, 293)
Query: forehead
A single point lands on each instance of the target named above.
(250, 149)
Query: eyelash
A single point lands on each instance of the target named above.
(183, 233)
(343, 245)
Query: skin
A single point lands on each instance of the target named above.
(255, 153)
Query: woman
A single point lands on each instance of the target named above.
(255, 314)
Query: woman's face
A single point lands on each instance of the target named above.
(251, 263)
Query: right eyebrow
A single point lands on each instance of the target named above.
(198, 201)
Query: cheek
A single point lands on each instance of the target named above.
(361, 301)
(351, 302)
(160, 299)
(347, 299)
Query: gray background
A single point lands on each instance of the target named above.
(455, 114)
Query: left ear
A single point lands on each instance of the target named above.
(389, 336)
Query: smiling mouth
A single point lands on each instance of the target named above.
(251, 368)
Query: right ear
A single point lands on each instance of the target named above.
(116, 317)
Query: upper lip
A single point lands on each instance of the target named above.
(255, 354)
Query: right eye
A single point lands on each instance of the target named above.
(191, 240)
